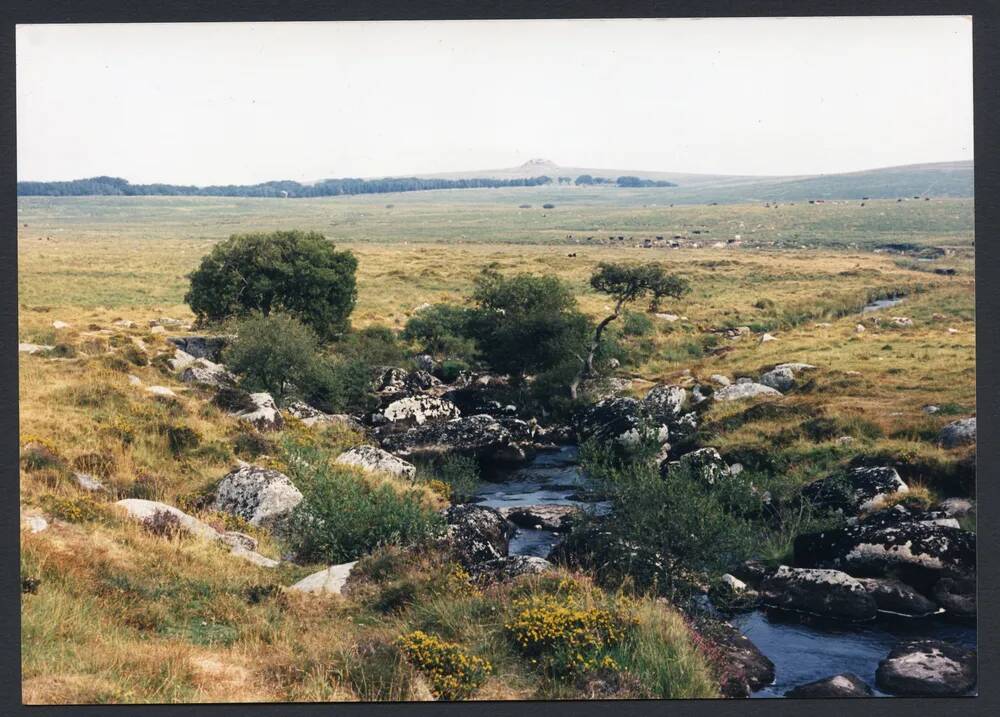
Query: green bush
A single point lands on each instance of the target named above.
(442, 330)
(451, 368)
(271, 353)
(376, 345)
(636, 324)
(459, 473)
(299, 273)
(341, 386)
(343, 517)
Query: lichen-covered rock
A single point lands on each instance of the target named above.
(205, 373)
(795, 367)
(956, 595)
(87, 482)
(665, 403)
(927, 668)
(623, 421)
(375, 460)
(313, 416)
(477, 534)
(705, 464)
(510, 567)
(480, 436)
(838, 686)
(747, 669)
(956, 507)
(142, 510)
(328, 581)
(900, 514)
(780, 379)
(201, 347)
(897, 597)
(932, 551)
(261, 496)
(830, 593)
(860, 490)
(557, 518)
(742, 391)
(161, 392)
(958, 433)
(418, 410)
(264, 416)
(31, 349)
(180, 360)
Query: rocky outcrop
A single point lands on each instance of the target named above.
(829, 593)
(418, 410)
(956, 595)
(329, 581)
(557, 518)
(843, 685)
(313, 417)
(477, 534)
(202, 347)
(780, 379)
(205, 373)
(375, 460)
(143, 510)
(665, 402)
(958, 433)
(704, 464)
(897, 597)
(899, 514)
(623, 421)
(746, 668)
(742, 391)
(261, 496)
(922, 552)
(510, 567)
(861, 490)
(479, 436)
(264, 415)
(927, 668)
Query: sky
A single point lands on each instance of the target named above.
(240, 103)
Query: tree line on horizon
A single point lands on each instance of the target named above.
(117, 186)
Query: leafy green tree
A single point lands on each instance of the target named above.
(272, 353)
(584, 179)
(298, 273)
(442, 330)
(625, 283)
(525, 323)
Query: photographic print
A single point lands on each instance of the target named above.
(395, 361)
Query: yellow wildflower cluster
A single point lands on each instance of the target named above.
(454, 675)
(122, 428)
(440, 487)
(565, 638)
(72, 510)
(458, 582)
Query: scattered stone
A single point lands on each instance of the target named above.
(161, 392)
(261, 496)
(952, 330)
(930, 409)
(375, 460)
(902, 321)
(780, 379)
(859, 329)
(740, 391)
(842, 685)
(32, 349)
(205, 373)
(477, 534)
(861, 490)
(425, 362)
(795, 367)
(830, 593)
(134, 380)
(719, 380)
(59, 325)
(897, 597)
(88, 482)
(557, 518)
(927, 668)
(767, 337)
(747, 668)
(329, 581)
(34, 523)
(418, 410)
(180, 361)
(264, 416)
(202, 347)
(958, 433)
(734, 584)
(236, 539)
(157, 330)
(668, 317)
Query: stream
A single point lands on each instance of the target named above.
(803, 648)
(882, 304)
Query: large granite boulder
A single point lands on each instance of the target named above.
(780, 379)
(479, 436)
(956, 595)
(829, 593)
(623, 421)
(665, 402)
(375, 460)
(314, 417)
(743, 391)
(845, 684)
(927, 668)
(897, 597)
(261, 496)
(557, 518)
(418, 410)
(263, 415)
(477, 534)
(205, 373)
(704, 464)
(860, 490)
(747, 669)
(510, 567)
(958, 433)
(203, 347)
(329, 581)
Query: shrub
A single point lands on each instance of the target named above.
(460, 474)
(102, 465)
(565, 638)
(61, 350)
(135, 356)
(162, 523)
(299, 273)
(636, 324)
(180, 438)
(442, 329)
(341, 386)
(80, 509)
(376, 345)
(548, 206)
(272, 352)
(343, 515)
(252, 444)
(453, 673)
(450, 370)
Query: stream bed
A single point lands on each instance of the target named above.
(803, 648)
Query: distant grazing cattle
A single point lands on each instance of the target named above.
(573, 254)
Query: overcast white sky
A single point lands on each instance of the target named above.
(249, 102)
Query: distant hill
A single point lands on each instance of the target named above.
(941, 179)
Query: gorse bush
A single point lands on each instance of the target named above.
(298, 273)
(453, 673)
(344, 515)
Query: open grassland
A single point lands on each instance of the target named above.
(122, 615)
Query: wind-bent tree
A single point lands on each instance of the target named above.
(298, 273)
(625, 284)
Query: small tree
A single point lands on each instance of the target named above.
(625, 284)
(271, 353)
(298, 273)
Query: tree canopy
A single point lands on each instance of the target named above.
(299, 273)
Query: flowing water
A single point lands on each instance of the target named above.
(882, 304)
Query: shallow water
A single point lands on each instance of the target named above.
(805, 648)
(882, 304)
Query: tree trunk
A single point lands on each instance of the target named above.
(587, 365)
